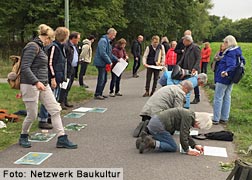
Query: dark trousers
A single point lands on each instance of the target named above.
(149, 73)
(196, 92)
(170, 67)
(115, 82)
(82, 73)
(64, 92)
(101, 80)
(204, 67)
(136, 65)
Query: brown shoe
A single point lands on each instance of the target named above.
(147, 144)
(146, 94)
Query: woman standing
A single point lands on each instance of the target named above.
(224, 74)
(205, 57)
(217, 59)
(35, 86)
(120, 53)
(171, 56)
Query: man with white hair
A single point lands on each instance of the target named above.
(164, 124)
(191, 61)
(104, 56)
(180, 48)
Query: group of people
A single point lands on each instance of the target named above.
(49, 66)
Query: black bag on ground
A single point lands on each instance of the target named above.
(241, 171)
(219, 135)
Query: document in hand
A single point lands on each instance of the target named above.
(119, 67)
(156, 67)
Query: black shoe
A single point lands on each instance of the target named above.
(84, 86)
(195, 101)
(69, 105)
(105, 96)
(63, 106)
(63, 142)
(45, 125)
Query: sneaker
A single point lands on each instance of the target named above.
(111, 94)
(23, 141)
(99, 97)
(118, 94)
(223, 122)
(63, 142)
(195, 101)
(146, 94)
(105, 96)
(147, 144)
(45, 125)
(215, 122)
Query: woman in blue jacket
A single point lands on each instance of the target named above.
(223, 78)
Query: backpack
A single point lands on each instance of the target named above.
(14, 75)
(239, 71)
(241, 171)
(219, 135)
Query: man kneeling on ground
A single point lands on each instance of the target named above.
(164, 124)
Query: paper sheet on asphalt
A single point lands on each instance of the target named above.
(82, 109)
(74, 115)
(215, 151)
(98, 110)
(119, 67)
(41, 137)
(33, 158)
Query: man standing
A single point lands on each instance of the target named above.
(85, 58)
(180, 46)
(72, 67)
(136, 50)
(191, 60)
(102, 57)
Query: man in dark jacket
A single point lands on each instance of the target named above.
(191, 61)
(180, 48)
(72, 56)
(164, 124)
(136, 50)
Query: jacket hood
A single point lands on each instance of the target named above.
(233, 50)
(86, 41)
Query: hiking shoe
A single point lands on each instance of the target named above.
(215, 122)
(146, 94)
(63, 142)
(23, 141)
(195, 101)
(69, 105)
(45, 125)
(140, 139)
(105, 96)
(111, 94)
(223, 122)
(118, 94)
(99, 97)
(147, 144)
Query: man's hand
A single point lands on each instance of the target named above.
(199, 148)
(224, 74)
(193, 153)
(146, 65)
(136, 58)
(40, 86)
(194, 72)
(53, 83)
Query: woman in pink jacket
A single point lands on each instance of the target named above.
(171, 56)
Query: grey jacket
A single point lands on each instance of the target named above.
(179, 119)
(34, 64)
(191, 58)
(165, 98)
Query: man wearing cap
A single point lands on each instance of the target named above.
(191, 61)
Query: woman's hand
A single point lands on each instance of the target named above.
(53, 83)
(40, 86)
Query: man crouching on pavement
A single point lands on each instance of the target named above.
(164, 124)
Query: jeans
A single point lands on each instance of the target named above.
(115, 82)
(204, 67)
(222, 101)
(82, 72)
(164, 140)
(101, 80)
(136, 65)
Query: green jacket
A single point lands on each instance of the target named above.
(182, 120)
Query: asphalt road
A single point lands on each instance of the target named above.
(107, 142)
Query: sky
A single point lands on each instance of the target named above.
(232, 9)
